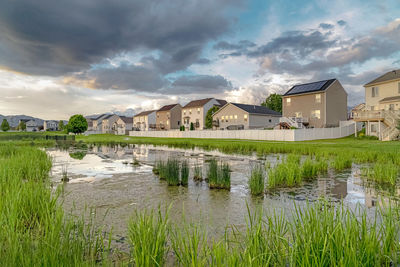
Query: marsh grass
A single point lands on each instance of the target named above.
(64, 173)
(312, 168)
(34, 230)
(219, 175)
(184, 173)
(198, 173)
(342, 162)
(257, 180)
(287, 173)
(385, 173)
(172, 168)
(319, 234)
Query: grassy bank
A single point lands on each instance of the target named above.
(34, 230)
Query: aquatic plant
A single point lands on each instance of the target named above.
(184, 173)
(198, 173)
(257, 180)
(342, 162)
(382, 173)
(219, 175)
(311, 169)
(64, 173)
(148, 232)
(288, 173)
(172, 168)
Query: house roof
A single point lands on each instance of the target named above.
(221, 102)
(145, 113)
(197, 103)
(309, 87)
(126, 119)
(167, 107)
(253, 109)
(359, 106)
(108, 116)
(388, 76)
(390, 99)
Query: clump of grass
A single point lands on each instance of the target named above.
(342, 162)
(148, 234)
(257, 180)
(382, 173)
(172, 172)
(64, 174)
(219, 175)
(184, 173)
(198, 173)
(288, 173)
(311, 169)
(135, 162)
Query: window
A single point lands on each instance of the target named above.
(198, 110)
(231, 117)
(222, 118)
(318, 98)
(372, 108)
(373, 128)
(190, 111)
(298, 114)
(167, 122)
(235, 117)
(391, 107)
(288, 101)
(316, 114)
(184, 112)
(375, 92)
(245, 117)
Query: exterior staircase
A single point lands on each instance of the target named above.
(293, 122)
(389, 117)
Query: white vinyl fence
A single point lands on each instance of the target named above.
(271, 135)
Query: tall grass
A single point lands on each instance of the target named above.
(342, 162)
(288, 173)
(198, 173)
(172, 172)
(184, 173)
(219, 175)
(382, 173)
(148, 233)
(311, 169)
(319, 234)
(257, 180)
(34, 230)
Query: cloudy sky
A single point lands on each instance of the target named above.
(58, 58)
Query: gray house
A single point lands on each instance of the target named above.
(233, 116)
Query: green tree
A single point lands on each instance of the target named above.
(5, 126)
(21, 126)
(191, 126)
(209, 119)
(61, 126)
(77, 124)
(273, 102)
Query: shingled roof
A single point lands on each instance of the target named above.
(197, 103)
(167, 107)
(126, 119)
(144, 113)
(309, 87)
(253, 109)
(388, 76)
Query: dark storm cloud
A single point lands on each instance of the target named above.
(326, 26)
(202, 61)
(199, 84)
(243, 44)
(47, 37)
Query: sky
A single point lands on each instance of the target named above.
(59, 58)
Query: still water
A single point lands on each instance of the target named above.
(104, 181)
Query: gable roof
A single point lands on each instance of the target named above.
(309, 87)
(145, 113)
(167, 107)
(253, 109)
(221, 102)
(388, 76)
(108, 116)
(198, 103)
(126, 119)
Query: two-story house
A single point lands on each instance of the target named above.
(123, 125)
(195, 112)
(382, 106)
(317, 104)
(234, 116)
(108, 124)
(145, 121)
(169, 117)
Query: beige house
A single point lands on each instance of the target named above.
(382, 106)
(97, 123)
(233, 116)
(195, 112)
(108, 124)
(317, 104)
(145, 121)
(123, 125)
(356, 109)
(169, 117)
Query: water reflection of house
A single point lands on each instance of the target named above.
(335, 188)
(376, 199)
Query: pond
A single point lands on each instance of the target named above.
(104, 181)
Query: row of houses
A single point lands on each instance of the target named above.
(320, 104)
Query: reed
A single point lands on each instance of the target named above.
(257, 180)
(184, 173)
(198, 173)
(288, 173)
(342, 162)
(148, 232)
(311, 169)
(385, 173)
(172, 168)
(219, 175)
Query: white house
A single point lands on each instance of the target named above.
(145, 121)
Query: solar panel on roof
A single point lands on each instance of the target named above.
(307, 87)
